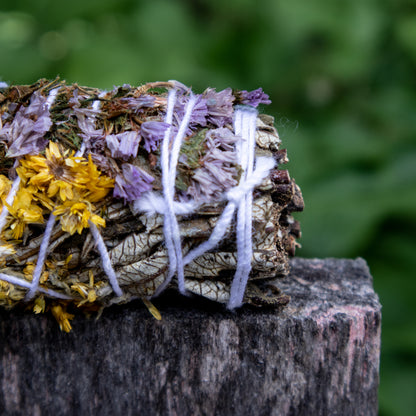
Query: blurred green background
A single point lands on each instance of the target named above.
(341, 75)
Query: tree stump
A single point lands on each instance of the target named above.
(318, 356)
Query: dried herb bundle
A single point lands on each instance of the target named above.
(76, 160)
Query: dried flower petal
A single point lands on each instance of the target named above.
(220, 106)
(81, 112)
(123, 145)
(199, 112)
(152, 133)
(75, 216)
(254, 98)
(62, 317)
(218, 172)
(25, 135)
(24, 211)
(132, 182)
(86, 119)
(137, 104)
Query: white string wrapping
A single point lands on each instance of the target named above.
(105, 258)
(23, 283)
(52, 97)
(239, 197)
(43, 251)
(245, 126)
(151, 203)
(169, 160)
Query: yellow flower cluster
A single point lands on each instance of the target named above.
(24, 211)
(59, 183)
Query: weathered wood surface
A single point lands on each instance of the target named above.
(318, 356)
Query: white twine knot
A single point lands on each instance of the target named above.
(263, 167)
(151, 203)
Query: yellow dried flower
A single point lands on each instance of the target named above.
(44, 277)
(39, 305)
(62, 317)
(39, 170)
(64, 184)
(86, 291)
(28, 271)
(24, 212)
(96, 186)
(92, 296)
(75, 216)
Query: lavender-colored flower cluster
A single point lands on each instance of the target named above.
(86, 120)
(123, 145)
(254, 98)
(152, 133)
(218, 171)
(211, 107)
(132, 182)
(26, 133)
(199, 113)
(80, 112)
(220, 106)
(214, 110)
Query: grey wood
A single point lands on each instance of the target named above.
(318, 356)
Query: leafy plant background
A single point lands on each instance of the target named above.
(341, 75)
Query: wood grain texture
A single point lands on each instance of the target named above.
(318, 356)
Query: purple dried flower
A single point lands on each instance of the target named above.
(152, 133)
(25, 134)
(123, 145)
(218, 171)
(137, 104)
(132, 182)
(254, 98)
(199, 112)
(89, 133)
(220, 106)
(86, 119)
(85, 112)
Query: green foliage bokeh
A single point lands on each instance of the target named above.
(341, 75)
